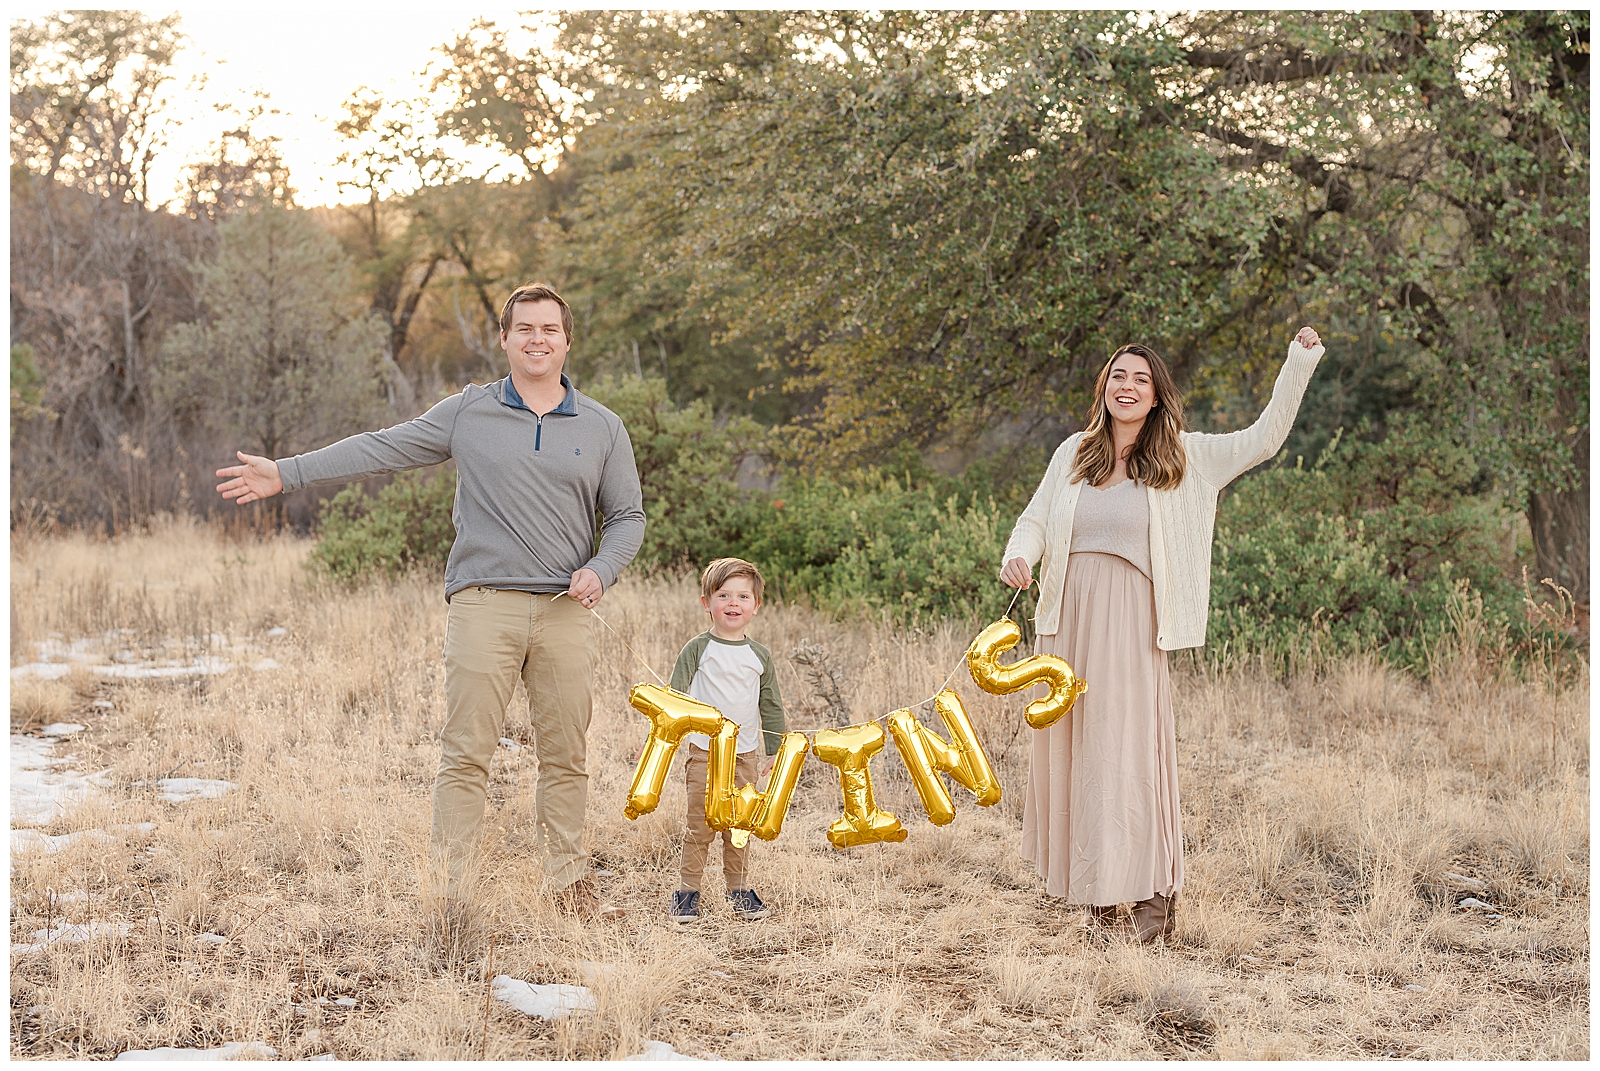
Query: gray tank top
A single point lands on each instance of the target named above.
(1115, 520)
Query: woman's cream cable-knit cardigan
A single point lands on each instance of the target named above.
(1181, 520)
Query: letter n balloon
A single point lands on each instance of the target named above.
(927, 754)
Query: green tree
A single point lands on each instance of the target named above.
(281, 361)
(536, 106)
(952, 218)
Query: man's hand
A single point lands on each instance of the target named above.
(1308, 338)
(257, 478)
(1016, 573)
(586, 588)
(766, 765)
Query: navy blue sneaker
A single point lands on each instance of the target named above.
(747, 905)
(685, 907)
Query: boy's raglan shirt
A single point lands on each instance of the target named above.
(736, 677)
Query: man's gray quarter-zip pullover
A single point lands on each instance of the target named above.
(528, 487)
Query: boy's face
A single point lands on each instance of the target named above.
(732, 606)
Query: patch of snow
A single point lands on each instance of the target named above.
(204, 666)
(45, 671)
(104, 704)
(24, 841)
(1474, 902)
(39, 794)
(510, 744)
(72, 934)
(184, 789)
(277, 630)
(1412, 988)
(542, 1001)
(266, 664)
(722, 974)
(345, 1002)
(659, 1050)
(233, 1050)
(210, 939)
(61, 728)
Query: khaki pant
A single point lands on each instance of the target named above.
(492, 638)
(698, 836)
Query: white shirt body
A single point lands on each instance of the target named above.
(729, 678)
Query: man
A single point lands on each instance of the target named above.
(535, 461)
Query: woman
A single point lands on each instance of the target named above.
(1123, 521)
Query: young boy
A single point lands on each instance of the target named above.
(734, 674)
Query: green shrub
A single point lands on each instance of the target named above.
(1363, 550)
(1366, 549)
(871, 542)
(403, 527)
(688, 465)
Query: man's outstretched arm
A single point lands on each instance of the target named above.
(419, 442)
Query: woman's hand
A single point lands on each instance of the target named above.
(1308, 338)
(1017, 573)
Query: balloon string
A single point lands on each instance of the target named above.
(808, 732)
(620, 640)
(963, 660)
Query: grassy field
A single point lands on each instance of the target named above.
(1333, 821)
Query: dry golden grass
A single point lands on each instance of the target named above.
(1329, 820)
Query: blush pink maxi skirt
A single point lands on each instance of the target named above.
(1100, 819)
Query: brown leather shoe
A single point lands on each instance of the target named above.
(1153, 918)
(581, 901)
(1105, 915)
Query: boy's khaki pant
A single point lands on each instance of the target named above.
(491, 639)
(697, 840)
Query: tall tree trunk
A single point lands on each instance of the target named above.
(1560, 524)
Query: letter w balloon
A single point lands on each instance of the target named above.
(926, 754)
(673, 716)
(987, 672)
(744, 808)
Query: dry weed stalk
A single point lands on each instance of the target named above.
(1333, 819)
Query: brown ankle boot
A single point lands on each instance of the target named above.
(1105, 916)
(1153, 918)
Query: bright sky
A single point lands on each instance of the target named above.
(308, 61)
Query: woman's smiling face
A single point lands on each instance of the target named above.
(1130, 394)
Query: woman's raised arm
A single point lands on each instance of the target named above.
(1220, 459)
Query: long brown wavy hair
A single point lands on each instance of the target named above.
(1157, 456)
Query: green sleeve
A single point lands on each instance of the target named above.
(773, 725)
(688, 663)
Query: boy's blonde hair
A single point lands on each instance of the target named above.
(723, 570)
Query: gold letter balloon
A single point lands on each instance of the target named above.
(851, 750)
(744, 808)
(926, 753)
(673, 716)
(992, 677)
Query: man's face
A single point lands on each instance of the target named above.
(536, 345)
